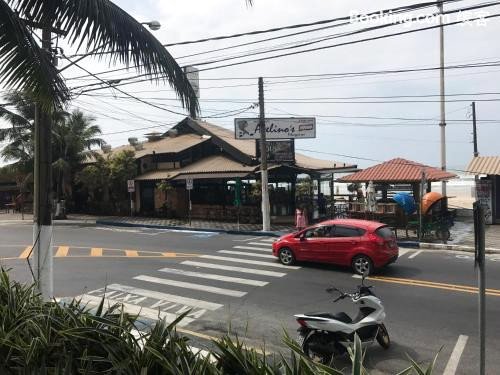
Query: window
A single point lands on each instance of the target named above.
(317, 232)
(341, 231)
(385, 233)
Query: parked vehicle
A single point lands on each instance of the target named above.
(324, 336)
(364, 245)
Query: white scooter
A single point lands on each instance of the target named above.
(324, 336)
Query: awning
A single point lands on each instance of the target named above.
(485, 165)
(207, 176)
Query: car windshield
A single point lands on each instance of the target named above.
(385, 233)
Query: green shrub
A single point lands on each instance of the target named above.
(38, 337)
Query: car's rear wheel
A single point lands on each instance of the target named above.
(286, 256)
(362, 265)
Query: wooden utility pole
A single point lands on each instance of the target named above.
(42, 228)
(266, 221)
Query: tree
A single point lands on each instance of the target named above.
(123, 167)
(106, 181)
(92, 26)
(73, 139)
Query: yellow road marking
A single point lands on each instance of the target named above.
(96, 252)
(435, 285)
(131, 253)
(62, 251)
(26, 252)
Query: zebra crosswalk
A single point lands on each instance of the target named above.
(195, 287)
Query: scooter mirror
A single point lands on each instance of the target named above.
(363, 277)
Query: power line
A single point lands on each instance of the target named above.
(315, 77)
(124, 92)
(381, 13)
(343, 44)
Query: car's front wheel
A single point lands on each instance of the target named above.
(286, 256)
(362, 265)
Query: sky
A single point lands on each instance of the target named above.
(347, 130)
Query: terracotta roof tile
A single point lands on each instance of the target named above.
(398, 170)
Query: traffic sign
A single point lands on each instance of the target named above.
(131, 186)
(276, 128)
(189, 183)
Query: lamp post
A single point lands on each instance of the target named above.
(153, 25)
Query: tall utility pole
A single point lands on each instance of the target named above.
(266, 220)
(442, 123)
(479, 237)
(42, 226)
(474, 129)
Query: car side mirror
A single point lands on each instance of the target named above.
(302, 237)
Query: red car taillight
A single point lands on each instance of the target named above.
(374, 238)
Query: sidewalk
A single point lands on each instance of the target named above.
(196, 225)
(462, 234)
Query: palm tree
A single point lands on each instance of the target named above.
(92, 25)
(20, 135)
(73, 138)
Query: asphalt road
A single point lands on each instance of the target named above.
(231, 282)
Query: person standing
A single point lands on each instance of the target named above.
(300, 219)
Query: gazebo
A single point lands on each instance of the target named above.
(391, 177)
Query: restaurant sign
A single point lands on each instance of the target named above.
(276, 128)
(278, 151)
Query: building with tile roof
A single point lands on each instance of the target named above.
(212, 157)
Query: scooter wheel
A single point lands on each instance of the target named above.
(383, 337)
(312, 348)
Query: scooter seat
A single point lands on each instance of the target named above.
(340, 316)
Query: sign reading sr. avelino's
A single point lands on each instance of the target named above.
(276, 128)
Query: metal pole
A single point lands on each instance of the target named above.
(189, 211)
(131, 204)
(479, 224)
(442, 123)
(266, 221)
(421, 196)
(42, 228)
(474, 129)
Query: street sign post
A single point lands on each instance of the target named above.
(131, 189)
(189, 187)
(276, 128)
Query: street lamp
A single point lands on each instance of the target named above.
(153, 25)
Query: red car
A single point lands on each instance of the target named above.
(364, 245)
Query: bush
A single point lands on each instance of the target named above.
(38, 337)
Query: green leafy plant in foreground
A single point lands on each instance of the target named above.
(38, 337)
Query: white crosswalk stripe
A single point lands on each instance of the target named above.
(93, 301)
(166, 297)
(246, 254)
(414, 254)
(403, 252)
(211, 276)
(267, 250)
(269, 239)
(248, 261)
(266, 245)
(181, 284)
(252, 271)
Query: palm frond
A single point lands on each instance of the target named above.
(24, 65)
(95, 24)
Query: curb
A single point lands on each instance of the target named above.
(178, 227)
(439, 246)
